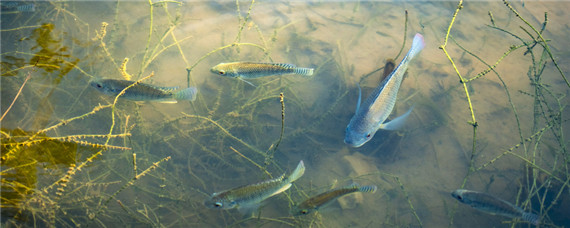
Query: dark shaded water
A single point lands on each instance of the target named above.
(163, 160)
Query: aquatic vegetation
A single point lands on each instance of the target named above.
(546, 118)
(73, 157)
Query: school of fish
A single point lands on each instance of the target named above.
(369, 117)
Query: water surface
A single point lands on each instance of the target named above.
(226, 138)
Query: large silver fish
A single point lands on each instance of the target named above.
(323, 199)
(370, 115)
(143, 92)
(493, 205)
(248, 70)
(249, 196)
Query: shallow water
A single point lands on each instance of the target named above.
(221, 140)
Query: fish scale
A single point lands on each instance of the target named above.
(258, 70)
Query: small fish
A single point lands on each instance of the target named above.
(143, 92)
(11, 6)
(493, 205)
(249, 196)
(323, 199)
(372, 114)
(249, 70)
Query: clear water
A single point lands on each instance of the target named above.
(231, 127)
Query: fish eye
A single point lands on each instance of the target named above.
(459, 197)
(221, 72)
(304, 212)
(218, 204)
(98, 85)
(368, 136)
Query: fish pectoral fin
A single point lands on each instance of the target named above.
(397, 122)
(359, 98)
(328, 208)
(251, 84)
(248, 210)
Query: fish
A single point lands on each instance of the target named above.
(493, 205)
(11, 6)
(370, 116)
(316, 202)
(144, 92)
(249, 70)
(250, 196)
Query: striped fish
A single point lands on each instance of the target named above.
(323, 199)
(372, 113)
(248, 70)
(250, 196)
(143, 92)
(11, 6)
(493, 205)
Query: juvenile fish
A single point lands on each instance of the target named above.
(370, 115)
(248, 70)
(249, 196)
(17, 6)
(143, 92)
(493, 205)
(323, 199)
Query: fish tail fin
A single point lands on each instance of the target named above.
(368, 188)
(304, 71)
(297, 173)
(417, 45)
(530, 217)
(186, 94)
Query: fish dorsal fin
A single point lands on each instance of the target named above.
(353, 185)
(284, 65)
(167, 89)
(249, 210)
